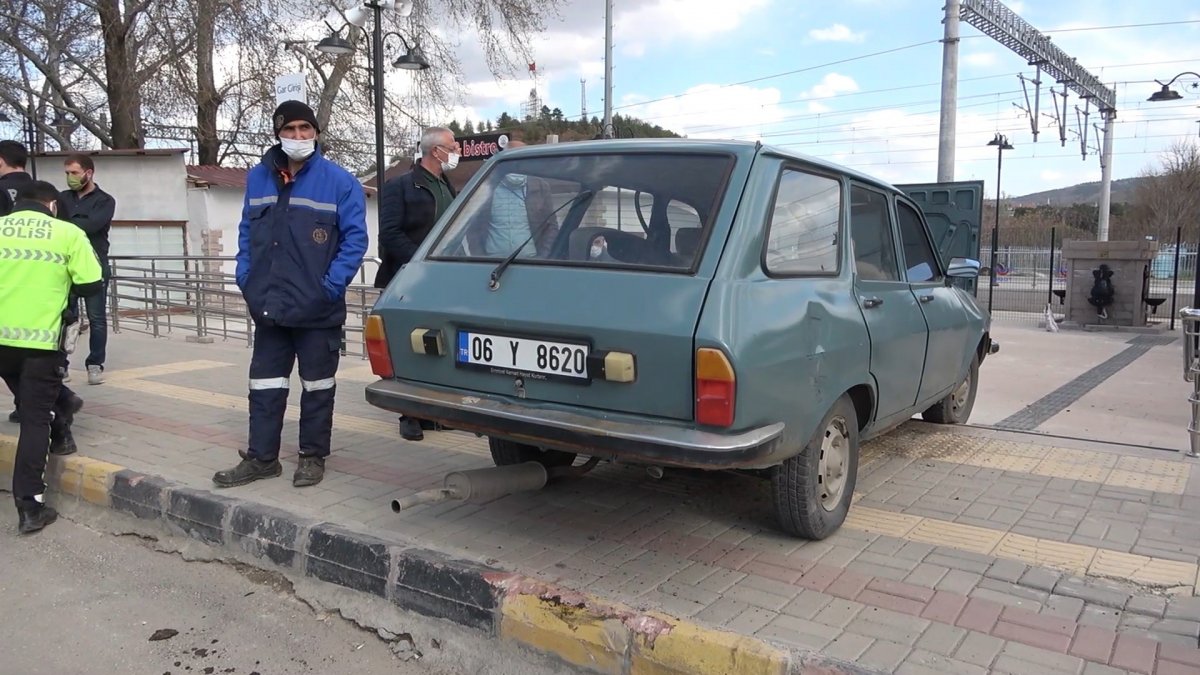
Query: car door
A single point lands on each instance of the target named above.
(894, 320)
(944, 315)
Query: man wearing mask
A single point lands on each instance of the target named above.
(14, 178)
(521, 206)
(91, 209)
(411, 203)
(34, 292)
(300, 243)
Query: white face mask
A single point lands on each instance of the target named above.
(298, 150)
(451, 161)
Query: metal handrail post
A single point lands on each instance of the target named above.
(1190, 321)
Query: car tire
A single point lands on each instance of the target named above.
(812, 491)
(957, 406)
(505, 453)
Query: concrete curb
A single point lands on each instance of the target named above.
(580, 629)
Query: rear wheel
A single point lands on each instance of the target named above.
(956, 407)
(813, 490)
(505, 453)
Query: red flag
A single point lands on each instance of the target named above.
(533, 67)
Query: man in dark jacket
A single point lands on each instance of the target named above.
(412, 203)
(92, 210)
(300, 244)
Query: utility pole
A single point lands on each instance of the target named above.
(607, 131)
(583, 100)
(1105, 176)
(947, 128)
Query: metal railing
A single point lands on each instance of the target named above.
(198, 296)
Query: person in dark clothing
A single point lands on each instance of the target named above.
(56, 260)
(91, 209)
(301, 241)
(14, 178)
(411, 204)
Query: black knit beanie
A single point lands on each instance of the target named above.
(290, 111)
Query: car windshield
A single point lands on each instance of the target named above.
(649, 210)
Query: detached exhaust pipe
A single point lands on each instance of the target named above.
(492, 483)
(480, 485)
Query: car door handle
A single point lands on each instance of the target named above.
(871, 303)
(925, 298)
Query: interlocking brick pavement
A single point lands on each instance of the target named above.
(961, 555)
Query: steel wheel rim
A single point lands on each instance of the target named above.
(961, 393)
(833, 465)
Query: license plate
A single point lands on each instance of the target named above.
(523, 357)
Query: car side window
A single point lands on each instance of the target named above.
(803, 234)
(919, 259)
(871, 233)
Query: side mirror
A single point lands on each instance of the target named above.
(963, 268)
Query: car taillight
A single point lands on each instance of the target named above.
(377, 347)
(716, 388)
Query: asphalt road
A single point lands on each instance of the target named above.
(73, 600)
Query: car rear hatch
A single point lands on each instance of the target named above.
(622, 283)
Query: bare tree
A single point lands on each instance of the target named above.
(1169, 197)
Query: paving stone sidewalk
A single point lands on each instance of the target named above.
(967, 550)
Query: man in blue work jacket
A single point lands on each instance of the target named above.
(300, 242)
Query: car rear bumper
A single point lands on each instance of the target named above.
(581, 430)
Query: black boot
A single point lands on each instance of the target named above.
(15, 416)
(33, 516)
(62, 442)
(247, 471)
(310, 471)
(410, 429)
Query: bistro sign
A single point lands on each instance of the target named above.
(478, 147)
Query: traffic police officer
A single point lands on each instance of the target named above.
(43, 260)
(300, 242)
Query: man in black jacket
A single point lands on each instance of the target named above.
(91, 209)
(411, 204)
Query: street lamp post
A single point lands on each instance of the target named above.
(412, 59)
(1002, 144)
(1169, 94)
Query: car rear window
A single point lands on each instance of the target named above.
(646, 210)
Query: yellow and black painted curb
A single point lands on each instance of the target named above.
(580, 629)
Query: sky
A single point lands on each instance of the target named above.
(858, 81)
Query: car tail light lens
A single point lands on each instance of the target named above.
(377, 347)
(716, 388)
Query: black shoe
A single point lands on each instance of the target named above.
(310, 471)
(63, 445)
(35, 517)
(15, 417)
(247, 471)
(74, 405)
(410, 429)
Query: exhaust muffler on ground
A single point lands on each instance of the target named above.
(481, 485)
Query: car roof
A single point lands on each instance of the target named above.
(741, 149)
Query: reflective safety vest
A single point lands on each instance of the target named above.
(41, 257)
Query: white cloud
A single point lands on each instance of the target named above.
(835, 33)
(1050, 175)
(665, 21)
(832, 85)
(713, 111)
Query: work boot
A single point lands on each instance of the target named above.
(62, 443)
(15, 416)
(247, 471)
(310, 471)
(410, 429)
(95, 375)
(74, 405)
(33, 516)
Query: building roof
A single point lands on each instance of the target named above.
(145, 152)
(217, 176)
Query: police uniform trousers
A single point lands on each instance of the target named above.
(38, 375)
(276, 348)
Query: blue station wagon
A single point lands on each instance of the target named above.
(684, 303)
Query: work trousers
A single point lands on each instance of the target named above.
(276, 348)
(38, 376)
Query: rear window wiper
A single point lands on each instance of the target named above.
(494, 277)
